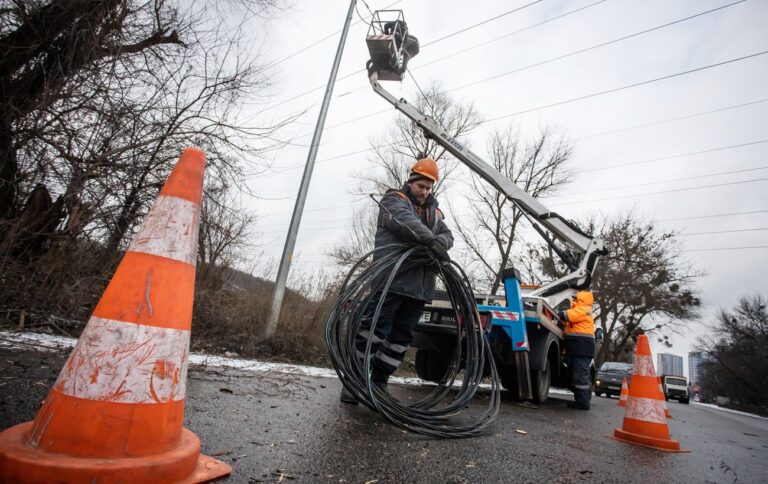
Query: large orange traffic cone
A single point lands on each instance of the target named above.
(644, 420)
(667, 413)
(115, 413)
(624, 393)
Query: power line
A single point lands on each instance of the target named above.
(579, 98)
(596, 46)
(732, 214)
(509, 34)
(671, 180)
(360, 71)
(481, 23)
(664, 192)
(629, 86)
(394, 143)
(695, 217)
(723, 232)
(726, 248)
(679, 118)
(681, 155)
(580, 51)
(661, 192)
(656, 182)
(318, 41)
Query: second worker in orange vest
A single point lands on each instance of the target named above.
(580, 347)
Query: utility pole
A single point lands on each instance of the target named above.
(290, 241)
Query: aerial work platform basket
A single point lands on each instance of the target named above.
(390, 45)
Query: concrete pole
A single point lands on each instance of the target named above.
(290, 241)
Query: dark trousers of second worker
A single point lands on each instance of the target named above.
(392, 334)
(582, 383)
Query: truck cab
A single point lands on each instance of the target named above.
(524, 333)
(675, 387)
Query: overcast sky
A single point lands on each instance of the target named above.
(682, 150)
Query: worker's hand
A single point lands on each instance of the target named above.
(438, 251)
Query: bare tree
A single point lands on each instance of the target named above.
(224, 234)
(394, 153)
(359, 240)
(489, 232)
(736, 363)
(393, 156)
(97, 100)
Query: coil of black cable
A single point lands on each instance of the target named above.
(437, 413)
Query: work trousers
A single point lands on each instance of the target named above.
(582, 385)
(392, 335)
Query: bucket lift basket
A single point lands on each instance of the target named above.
(390, 45)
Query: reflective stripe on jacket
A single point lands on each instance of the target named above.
(580, 326)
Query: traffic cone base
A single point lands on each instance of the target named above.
(666, 445)
(23, 463)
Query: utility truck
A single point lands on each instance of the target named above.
(675, 387)
(524, 332)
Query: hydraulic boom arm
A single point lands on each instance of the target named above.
(585, 250)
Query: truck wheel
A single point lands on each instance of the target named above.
(684, 400)
(540, 381)
(430, 366)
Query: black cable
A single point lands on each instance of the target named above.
(365, 287)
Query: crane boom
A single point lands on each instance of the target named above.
(588, 248)
(391, 47)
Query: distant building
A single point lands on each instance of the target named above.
(695, 358)
(669, 364)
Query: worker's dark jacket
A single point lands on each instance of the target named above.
(425, 223)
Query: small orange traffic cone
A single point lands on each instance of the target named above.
(644, 421)
(667, 413)
(624, 393)
(115, 413)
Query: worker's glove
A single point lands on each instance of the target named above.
(437, 250)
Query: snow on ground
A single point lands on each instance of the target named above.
(10, 339)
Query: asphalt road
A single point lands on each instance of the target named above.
(279, 427)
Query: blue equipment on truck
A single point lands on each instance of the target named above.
(524, 333)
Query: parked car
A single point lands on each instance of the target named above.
(610, 376)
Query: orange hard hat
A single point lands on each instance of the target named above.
(426, 167)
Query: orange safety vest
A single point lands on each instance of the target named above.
(578, 319)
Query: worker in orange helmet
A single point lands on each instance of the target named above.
(409, 215)
(580, 346)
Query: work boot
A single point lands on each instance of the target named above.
(577, 406)
(347, 396)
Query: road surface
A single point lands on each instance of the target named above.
(273, 426)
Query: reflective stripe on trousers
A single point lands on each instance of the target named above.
(393, 333)
(578, 366)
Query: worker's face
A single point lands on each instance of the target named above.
(421, 189)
